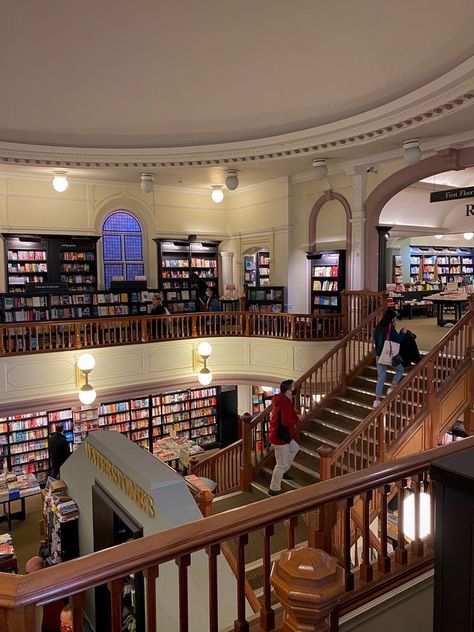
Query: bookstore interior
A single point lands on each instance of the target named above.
(51, 278)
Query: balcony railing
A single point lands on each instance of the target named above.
(64, 335)
(368, 569)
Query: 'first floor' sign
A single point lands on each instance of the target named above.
(452, 194)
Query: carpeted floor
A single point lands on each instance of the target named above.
(25, 534)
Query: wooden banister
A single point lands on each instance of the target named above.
(98, 568)
(372, 439)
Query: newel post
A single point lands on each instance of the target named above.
(194, 326)
(308, 583)
(204, 500)
(322, 538)
(469, 412)
(434, 407)
(246, 469)
(345, 312)
(18, 619)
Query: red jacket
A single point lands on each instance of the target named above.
(283, 420)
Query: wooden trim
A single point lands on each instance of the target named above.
(104, 566)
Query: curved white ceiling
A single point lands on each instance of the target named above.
(174, 73)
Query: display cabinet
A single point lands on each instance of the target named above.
(328, 279)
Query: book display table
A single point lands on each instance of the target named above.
(14, 487)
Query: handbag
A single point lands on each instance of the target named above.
(390, 352)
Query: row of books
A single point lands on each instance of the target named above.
(26, 255)
(325, 271)
(324, 286)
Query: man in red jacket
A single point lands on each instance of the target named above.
(282, 434)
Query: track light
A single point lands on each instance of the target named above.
(232, 179)
(320, 168)
(146, 182)
(217, 194)
(412, 151)
(60, 182)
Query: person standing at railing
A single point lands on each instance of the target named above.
(157, 309)
(282, 435)
(385, 331)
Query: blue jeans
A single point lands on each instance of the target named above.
(382, 376)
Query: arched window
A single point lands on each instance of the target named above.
(122, 242)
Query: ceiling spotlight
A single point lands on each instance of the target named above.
(412, 151)
(468, 236)
(217, 194)
(60, 182)
(439, 236)
(146, 182)
(232, 179)
(320, 168)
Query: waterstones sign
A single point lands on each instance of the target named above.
(452, 194)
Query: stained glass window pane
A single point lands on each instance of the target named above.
(133, 248)
(133, 270)
(112, 248)
(111, 270)
(122, 222)
(122, 242)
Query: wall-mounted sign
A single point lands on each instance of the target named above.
(138, 495)
(452, 194)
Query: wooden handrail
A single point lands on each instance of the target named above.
(374, 434)
(63, 335)
(221, 467)
(104, 566)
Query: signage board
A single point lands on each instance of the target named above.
(452, 194)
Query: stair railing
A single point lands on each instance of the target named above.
(416, 395)
(20, 594)
(323, 381)
(222, 467)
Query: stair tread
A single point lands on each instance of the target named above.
(352, 402)
(330, 425)
(315, 437)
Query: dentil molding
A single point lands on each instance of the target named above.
(440, 98)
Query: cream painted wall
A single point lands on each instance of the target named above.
(159, 365)
(331, 227)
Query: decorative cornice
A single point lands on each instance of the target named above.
(450, 93)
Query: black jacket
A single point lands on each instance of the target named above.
(409, 350)
(58, 452)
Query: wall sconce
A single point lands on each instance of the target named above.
(202, 353)
(85, 364)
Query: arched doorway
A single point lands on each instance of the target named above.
(445, 160)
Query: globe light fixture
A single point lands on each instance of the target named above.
(86, 363)
(468, 236)
(217, 193)
(205, 377)
(424, 525)
(412, 151)
(146, 182)
(60, 182)
(232, 179)
(320, 168)
(204, 349)
(87, 394)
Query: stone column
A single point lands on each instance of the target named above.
(227, 271)
(308, 583)
(359, 187)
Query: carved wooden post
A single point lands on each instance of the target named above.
(308, 583)
(382, 442)
(434, 407)
(345, 312)
(77, 335)
(246, 469)
(143, 331)
(204, 500)
(327, 512)
(194, 326)
(17, 620)
(469, 412)
(247, 323)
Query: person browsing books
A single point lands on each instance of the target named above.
(282, 435)
(385, 330)
(59, 450)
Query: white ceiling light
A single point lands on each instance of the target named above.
(60, 182)
(204, 349)
(146, 182)
(86, 362)
(468, 236)
(320, 168)
(412, 151)
(217, 194)
(232, 179)
(439, 236)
